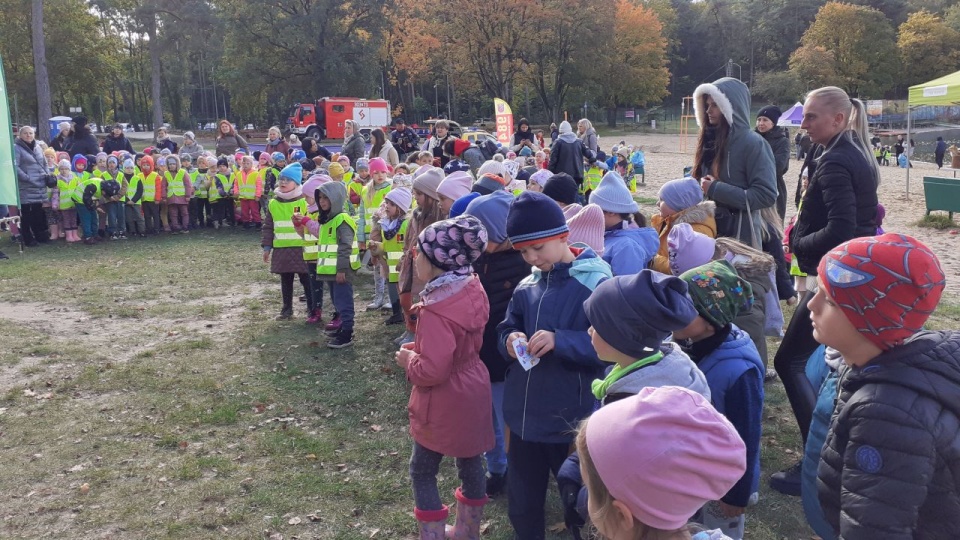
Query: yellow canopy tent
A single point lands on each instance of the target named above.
(941, 91)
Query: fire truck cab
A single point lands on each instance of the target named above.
(325, 117)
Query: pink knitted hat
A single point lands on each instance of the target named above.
(587, 228)
(377, 165)
(664, 453)
(686, 248)
(455, 185)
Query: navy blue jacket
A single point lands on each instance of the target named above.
(734, 372)
(546, 403)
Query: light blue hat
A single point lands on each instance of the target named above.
(612, 195)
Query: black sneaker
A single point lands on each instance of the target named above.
(496, 483)
(787, 481)
(285, 315)
(341, 340)
(396, 318)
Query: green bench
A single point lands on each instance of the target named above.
(942, 194)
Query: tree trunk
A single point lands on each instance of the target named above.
(44, 109)
(155, 72)
(611, 116)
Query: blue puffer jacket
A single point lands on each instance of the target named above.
(546, 403)
(734, 372)
(628, 251)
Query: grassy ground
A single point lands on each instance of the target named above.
(147, 392)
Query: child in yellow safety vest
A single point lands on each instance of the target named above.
(151, 210)
(131, 184)
(177, 190)
(338, 256)
(311, 250)
(357, 180)
(281, 239)
(370, 200)
(221, 195)
(591, 179)
(248, 188)
(63, 200)
(200, 203)
(387, 244)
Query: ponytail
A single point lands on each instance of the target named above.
(858, 125)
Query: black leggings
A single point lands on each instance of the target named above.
(791, 364)
(286, 287)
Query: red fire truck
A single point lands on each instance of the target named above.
(323, 118)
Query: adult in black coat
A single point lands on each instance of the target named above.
(81, 141)
(116, 141)
(780, 144)
(840, 203)
(940, 151)
(59, 142)
(404, 139)
(314, 149)
(568, 153)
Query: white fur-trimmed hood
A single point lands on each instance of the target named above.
(731, 96)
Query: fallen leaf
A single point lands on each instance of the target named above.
(315, 516)
(28, 392)
(374, 532)
(312, 457)
(294, 521)
(484, 527)
(376, 428)
(183, 445)
(557, 528)
(84, 489)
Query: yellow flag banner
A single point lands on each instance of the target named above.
(9, 193)
(504, 120)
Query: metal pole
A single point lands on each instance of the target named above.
(906, 148)
(449, 115)
(436, 99)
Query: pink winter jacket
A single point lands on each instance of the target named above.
(450, 404)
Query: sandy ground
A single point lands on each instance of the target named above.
(665, 162)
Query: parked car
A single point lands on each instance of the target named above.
(482, 122)
(476, 136)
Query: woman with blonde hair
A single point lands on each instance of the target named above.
(276, 142)
(840, 203)
(587, 134)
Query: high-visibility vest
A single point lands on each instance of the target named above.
(67, 187)
(284, 233)
(132, 184)
(175, 187)
(246, 184)
(371, 206)
(355, 188)
(225, 182)
(149, 187)
(591, 179)
(310, 248)
(197, 178)
(105, 175)
(85, 179)
(394, 250)
(98, 173)
(327, 245)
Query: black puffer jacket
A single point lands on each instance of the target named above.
(840, 203)
(499, 273)
(890, 466)
(780, 145)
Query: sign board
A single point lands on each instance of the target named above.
(9, 190)
(504, 116)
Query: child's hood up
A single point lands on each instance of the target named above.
(337, 193)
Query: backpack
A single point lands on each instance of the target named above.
(488, 148)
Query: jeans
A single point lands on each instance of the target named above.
(115, 217)
(424, 466)
(497, 456)
(88, 221)
(343, 302)
(530, 466)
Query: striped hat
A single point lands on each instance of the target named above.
(534, 218)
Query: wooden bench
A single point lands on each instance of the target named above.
(942, 194)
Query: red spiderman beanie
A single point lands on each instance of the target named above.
(887, 285)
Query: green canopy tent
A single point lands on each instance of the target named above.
(942, 91)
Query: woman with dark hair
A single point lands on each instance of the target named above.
(81, 141)
(164, 142)
(840, 203)
(228, 140)
(440, 136)
(314, 149)
(383, 149)
(735, 166)
(523, 136)
(59, 142)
